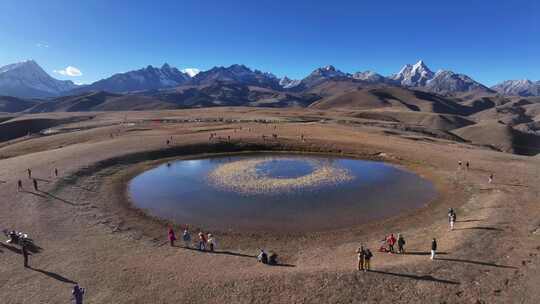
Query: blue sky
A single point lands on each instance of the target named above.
(489, 40)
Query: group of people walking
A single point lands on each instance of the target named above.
(34, 180)
(389, 242)
(468, 166)
(205, 241)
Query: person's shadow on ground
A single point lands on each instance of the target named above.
(475, 262)
(53, 275)
(416, 277)
(33, 248)
(226, 252)
(422, 253)
(49, 195)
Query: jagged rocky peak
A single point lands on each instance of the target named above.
(288, 83)
(236, 73)
(413, 75)
(369, 76)
(328, 71)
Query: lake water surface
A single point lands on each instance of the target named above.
(277, 192)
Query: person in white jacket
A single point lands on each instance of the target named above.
(211, 242)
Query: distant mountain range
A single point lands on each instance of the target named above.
(518, 88)
(28, 80)
(149, 78)
(236, 73)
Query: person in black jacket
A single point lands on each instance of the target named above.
(78, 294)
(433, 248)
(401, 243)
(367, 260)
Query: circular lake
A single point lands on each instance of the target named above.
(277, 192)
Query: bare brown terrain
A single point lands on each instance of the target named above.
(87, 231)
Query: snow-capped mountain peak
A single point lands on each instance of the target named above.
(420, 65)
(192, 72)
(28, 79)
(329, 68)
(413, 75)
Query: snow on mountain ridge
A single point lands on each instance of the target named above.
(192, 72)
(521, 87)
(445, 81)
(288, 83)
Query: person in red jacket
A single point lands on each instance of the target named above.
(172, 237)
(202, 241)
(391, 240)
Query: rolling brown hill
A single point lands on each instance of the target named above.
(19, 127)
(232, 94)
(101, 101)
(75, 103)
(501, 137)
(436, 121)
(392, 98)
(10, 104)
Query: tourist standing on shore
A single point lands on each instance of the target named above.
(452, 220)
(367, 259)
(262, 257)
(211, 242)
(391, 241)
(19, 186)
(186, 237)
(467, 165)
(29, 171)
(56, 172)
(490, 180)
(35, 184)
(172, 237)
(78, 294)
(202, 241)
(361, 253)
(401, 243)
(433, 248)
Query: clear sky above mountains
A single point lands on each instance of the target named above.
(490, 41)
